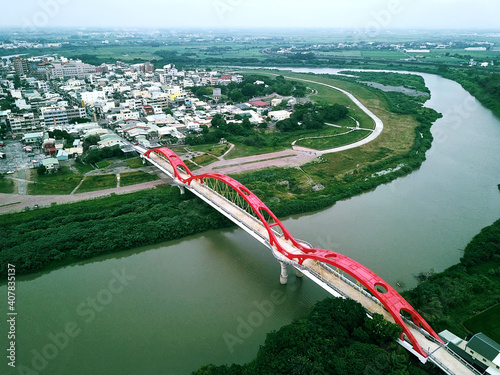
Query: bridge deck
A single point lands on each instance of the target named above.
(438, 353)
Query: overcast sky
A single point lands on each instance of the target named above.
(358, 14)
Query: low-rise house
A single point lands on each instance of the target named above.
(279, 115)
(49, 147)
(52, 164)
(485, 350)
(62, 155)
(31, 138)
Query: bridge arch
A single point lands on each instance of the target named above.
(393, 302)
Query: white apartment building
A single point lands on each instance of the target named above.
(75, 112)
(54, 115)
(124, 114)
(91, 97)
(24, 123)
(70, 69)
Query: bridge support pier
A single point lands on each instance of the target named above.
(298, 273)
(181, 188)
(284, 274)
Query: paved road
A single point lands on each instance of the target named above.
(21, 201)
(379, 125)
(287, 158)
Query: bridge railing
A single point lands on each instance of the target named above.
(350, 283)
(318, 276)
(278, 234)
(460, 359)
(441, 365)
(229, 212)
(444, 346)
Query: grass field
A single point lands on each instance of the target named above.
(488, 322)
(216, 150)
(204, 159)
(83, 168)
(190, 165)
(6, 186)
(134, 163)
(137, 177)
(61, 182)
(104, 163)
(101, 182)
(336, 141)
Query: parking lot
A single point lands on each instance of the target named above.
(16, 158)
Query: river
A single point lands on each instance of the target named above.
(211, 298)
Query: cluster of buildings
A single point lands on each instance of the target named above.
(126, 102)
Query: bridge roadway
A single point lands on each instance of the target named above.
(328, 278)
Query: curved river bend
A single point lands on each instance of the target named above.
(211, 298)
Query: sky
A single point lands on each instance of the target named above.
(368, 15)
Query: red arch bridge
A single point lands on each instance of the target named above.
(326, 268)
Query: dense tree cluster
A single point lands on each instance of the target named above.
(312, 116)
(248, 89)
(336, 337)
(96, 155)
(62, 134)
(410, 81)
(32, 240)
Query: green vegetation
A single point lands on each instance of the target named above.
(83, 168)
(449, 298)
(63, 135)
(134, 163)
(311, 116)
(99, 182)
(6, 185)
(215, 150)
(334, 141)
(487, 322)
(190, 165)
(277, 141)
(204, 159)
(104, 163)
(410, 81)
(483, 85)
(41, 170)
(61, 182)
(247, 89)
(137, 177)
(66, 233)
(335, 338)
(96, 155)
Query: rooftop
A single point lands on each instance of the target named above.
(485, 346)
